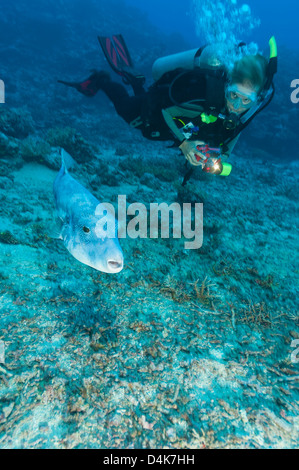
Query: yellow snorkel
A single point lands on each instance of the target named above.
(272, 65)
(273, 47)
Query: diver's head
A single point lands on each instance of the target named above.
(247, 81)
(240, 97)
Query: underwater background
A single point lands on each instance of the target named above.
(183, 348)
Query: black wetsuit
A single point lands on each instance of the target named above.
(142, 111)
(180, 98)
(146, 110)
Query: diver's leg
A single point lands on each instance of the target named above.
(128, 107)
(91, 85)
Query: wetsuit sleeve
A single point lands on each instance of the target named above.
(168, 118)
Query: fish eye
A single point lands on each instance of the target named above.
(86, 229)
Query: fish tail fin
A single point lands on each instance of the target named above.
(66, 159)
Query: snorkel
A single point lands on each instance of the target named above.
(267, 93)
(272, 65)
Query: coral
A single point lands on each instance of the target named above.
(35, 148)
(73, 142)
(256, 313)
(177, 290)
(223, 267)
(205, 293)
(101, 172)
(139, 167)
(7, 238)
(16, 122)
(268, 282)
(9, 147)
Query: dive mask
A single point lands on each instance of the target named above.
(239, 97)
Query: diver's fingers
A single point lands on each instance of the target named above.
(199, 142)
(192, 159)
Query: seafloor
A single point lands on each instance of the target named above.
(183, 348)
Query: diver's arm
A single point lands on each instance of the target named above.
(187, 147)
(168, 118)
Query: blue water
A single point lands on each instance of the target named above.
(277, 18)
(184, 348)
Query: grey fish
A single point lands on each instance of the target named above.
(82, 224)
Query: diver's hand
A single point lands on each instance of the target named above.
(189, 150)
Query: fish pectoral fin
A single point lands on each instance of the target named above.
(56, 230)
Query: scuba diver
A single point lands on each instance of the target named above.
(194, 100)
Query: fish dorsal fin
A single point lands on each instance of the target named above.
(66, 159)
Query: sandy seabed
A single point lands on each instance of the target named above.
(183, 348)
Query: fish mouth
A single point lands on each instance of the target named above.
(114, 266)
